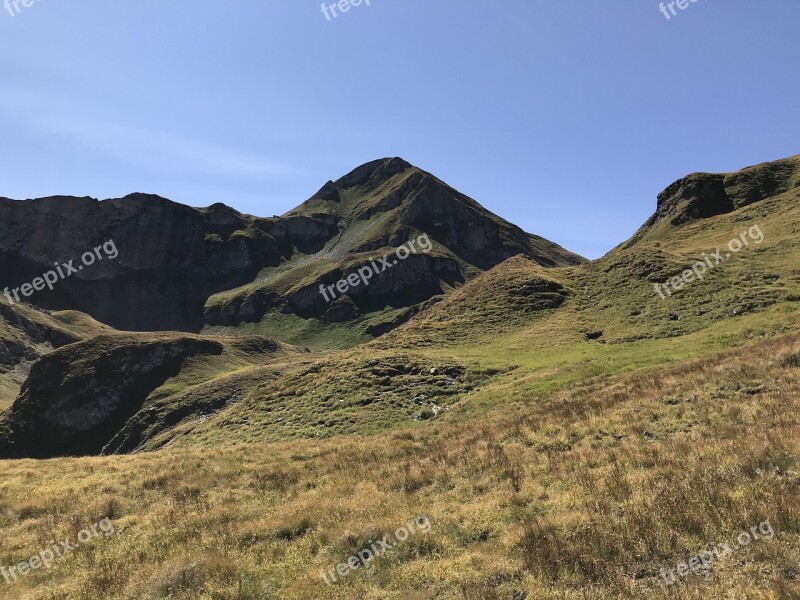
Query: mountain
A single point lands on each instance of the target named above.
(518, 291)
(378, 207)
(170, 258)
(178, 268)
(551, 425)
(163, 266)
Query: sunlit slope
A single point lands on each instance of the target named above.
(616, 299)
(597, 488)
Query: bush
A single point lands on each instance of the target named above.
(294, 531)
(792, 361)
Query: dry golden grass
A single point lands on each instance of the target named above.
(580, 494)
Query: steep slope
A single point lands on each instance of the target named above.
(407, 199)
(114, 392)
(379, 207)
(164, 261)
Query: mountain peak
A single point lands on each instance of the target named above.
(380, 169)
(374, 173)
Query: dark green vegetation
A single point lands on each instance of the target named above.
(566, 429)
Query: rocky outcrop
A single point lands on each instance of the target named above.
(409, 282)
(697, 196)
(76, 399)
(704, 195)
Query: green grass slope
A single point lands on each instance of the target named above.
(588, 492)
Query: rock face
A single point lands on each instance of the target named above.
(703, 195)
(408, 283)
(76, 398)
(418, 201)
(172, 258)
(697, 196)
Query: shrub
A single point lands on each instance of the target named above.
(294, 531)
(792, 361)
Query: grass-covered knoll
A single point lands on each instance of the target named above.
(517, 293)
(114, 392)
(26, 333)
(587, 491)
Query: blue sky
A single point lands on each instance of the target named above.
(564, 117)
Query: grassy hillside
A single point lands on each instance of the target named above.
(588, 491)
(566, 432)
(116, 391)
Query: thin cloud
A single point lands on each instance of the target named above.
(160, 150)
(148, 148)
